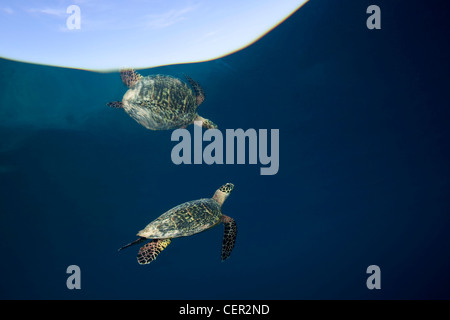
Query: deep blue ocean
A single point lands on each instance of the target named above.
(363, 119)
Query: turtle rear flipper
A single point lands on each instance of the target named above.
(115, 104)
(229, 236)
(150, 251)
(129, 77)
(205, 123)
(199, 93)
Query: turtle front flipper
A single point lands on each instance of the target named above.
(115, 104)
(150, 251)
(229, 236)
(129, 77)
(199, 92)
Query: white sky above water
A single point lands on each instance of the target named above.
(134, 33)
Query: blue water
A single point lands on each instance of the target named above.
(364, 169)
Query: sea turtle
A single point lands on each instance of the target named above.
(161, 102)
(185, 220)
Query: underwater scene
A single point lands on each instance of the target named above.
(327, 134)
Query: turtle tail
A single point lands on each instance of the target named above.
(133, 243)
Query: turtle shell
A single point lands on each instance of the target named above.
(161, 102)
(184, 220)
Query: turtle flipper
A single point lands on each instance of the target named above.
(229, 236)
(129, 77)
(199, 93)
(206, 123)
(150, 251)
(115, 104)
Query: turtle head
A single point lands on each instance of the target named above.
(227, 188)
(223, 192)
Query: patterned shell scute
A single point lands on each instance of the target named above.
(184, 220)
(161, 102)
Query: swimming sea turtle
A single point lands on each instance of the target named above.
(185, 220)
(161, 102)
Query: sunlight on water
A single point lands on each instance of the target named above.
(108, 35)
